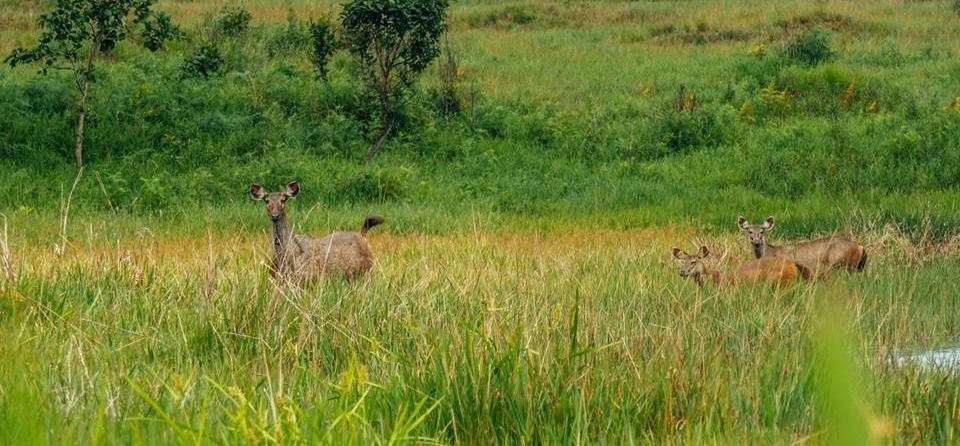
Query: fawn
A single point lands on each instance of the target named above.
(298, 258)
(822, 255)
(776, 271)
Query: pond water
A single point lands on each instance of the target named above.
(946, 359)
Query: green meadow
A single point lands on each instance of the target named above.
(524, 291)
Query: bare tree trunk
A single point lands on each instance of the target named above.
(81, 122)
(385, 128)
(387, 107)
(83, 79)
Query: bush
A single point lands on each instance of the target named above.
(292, 39)
(683, 132)
(323, 43)
(204, 62)
(158, 29)
(233, 21)
(685, 125)
(448, 96)
(810, 47)
(373, 185)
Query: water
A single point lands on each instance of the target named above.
(943, 360)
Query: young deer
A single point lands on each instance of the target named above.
(775, 271)
(299, 258)
(822, 255)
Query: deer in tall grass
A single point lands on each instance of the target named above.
(298, 258)
(821, 255)
(775, 271)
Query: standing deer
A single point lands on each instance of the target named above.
(775, 271)
(298, 258)
(822, 255)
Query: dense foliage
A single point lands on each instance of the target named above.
(78, 33)
(393, 42)
(195, 124)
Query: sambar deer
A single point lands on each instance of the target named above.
(298, 258)
(821, 255)
(775, 271)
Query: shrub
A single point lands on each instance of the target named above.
(810, 47)
(448, 95)
(679, 132)
(294, 38)
(204, 62)
(373, 185)
(323, 43)
(233, 21)
(158, 29)
(508, 15)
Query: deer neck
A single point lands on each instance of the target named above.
(765, 249)
(712, 275)
(282, 235)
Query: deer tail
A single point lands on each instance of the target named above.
(370, 222)
(863, 259)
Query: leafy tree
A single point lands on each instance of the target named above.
(77, 33)
(393, 41)
(323, 43)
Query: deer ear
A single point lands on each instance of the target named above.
(292, 189)
(256, 191)
(768, 224)
(742, 222)
(678, 253)
(704, 251)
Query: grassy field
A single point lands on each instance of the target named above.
(524, 291)
(584, 336)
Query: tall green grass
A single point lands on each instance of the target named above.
(521, 294)
(589, 337)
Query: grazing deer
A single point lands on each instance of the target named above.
(298, 258)
(773, 270)
(822, 255)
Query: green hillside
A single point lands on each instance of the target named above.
(568, 109)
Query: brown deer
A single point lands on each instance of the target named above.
(775, 271)
(298, 258)
(822, 255)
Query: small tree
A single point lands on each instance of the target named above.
(393, 41)
(323, 43)
(77, 33)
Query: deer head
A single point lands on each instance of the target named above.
(275, 201)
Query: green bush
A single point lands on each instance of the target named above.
(232, 21)
(323, 43)
(677, 132)
(373, 185)
(511, 15)
(810, 47)
(289, 40)
(157, 30)
(204, 61)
